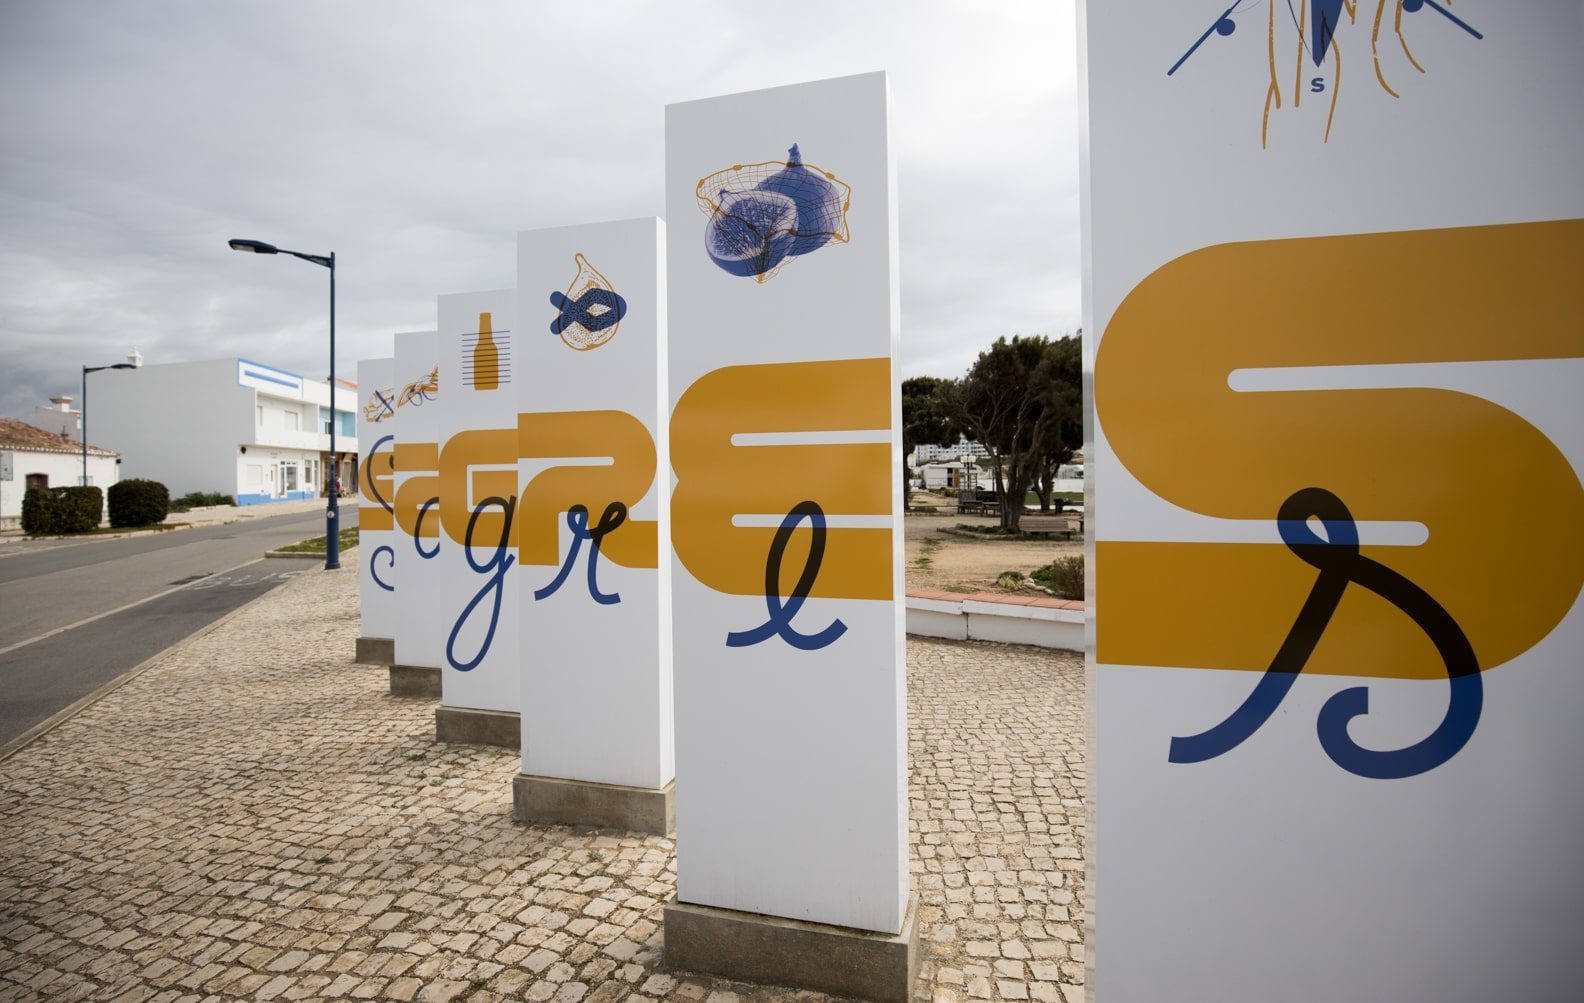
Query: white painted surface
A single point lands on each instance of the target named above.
(421, 624)
(791, 764)
(186, 424)
(584, 654)
(987, 621)
(478, 609)
(1065, 634)
(1269, 872)
(63, 469)
(926, 622)
(376, 551)
(181, 424)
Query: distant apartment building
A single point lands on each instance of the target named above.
(232, 426)
(927, 454)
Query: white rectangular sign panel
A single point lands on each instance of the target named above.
(1333, 277)
(786, 528)
(594, 596)
(420, 398)
(470, 579)
(376, 551)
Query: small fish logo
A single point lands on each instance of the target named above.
(589, 312)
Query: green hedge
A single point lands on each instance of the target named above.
(200, 499)
(138, 502)
(53, 511)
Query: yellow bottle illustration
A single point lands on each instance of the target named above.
(486, 357)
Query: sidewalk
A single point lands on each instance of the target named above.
(255, 817)
(215, 516)
(237, 513)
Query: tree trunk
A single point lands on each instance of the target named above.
(1047, 482)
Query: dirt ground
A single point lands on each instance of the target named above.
(938, 559)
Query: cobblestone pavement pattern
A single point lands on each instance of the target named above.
(255, 818)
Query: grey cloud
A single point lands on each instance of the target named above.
(415, 139)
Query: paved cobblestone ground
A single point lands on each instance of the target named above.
(253, 818)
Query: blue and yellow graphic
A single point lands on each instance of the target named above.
(763, 215)
(589, 312)
(380, 406)
(1316, 26)
(1488, 584)
(426, 388)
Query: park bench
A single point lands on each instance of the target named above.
(1067, 524)
(978, 503)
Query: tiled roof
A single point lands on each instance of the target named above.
(16, 434)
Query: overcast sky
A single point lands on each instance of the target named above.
(416, 139)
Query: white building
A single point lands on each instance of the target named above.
(59, 418)
(40, 458)
(925, 454)
(231, 426)
(934, 476)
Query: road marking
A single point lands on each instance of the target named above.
(132, 605)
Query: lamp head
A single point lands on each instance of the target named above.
(253, 247)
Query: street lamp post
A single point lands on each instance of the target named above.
(83, 411)
(333, 509)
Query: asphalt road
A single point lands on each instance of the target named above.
(75, 615)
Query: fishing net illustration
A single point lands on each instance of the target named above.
(1317, 27)
(590, 311)
(763, 215)
(418, 391)
(380, 406)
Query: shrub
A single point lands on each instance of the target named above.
(1063, 576)
(51, 511)
(138, 502)
(199, 499)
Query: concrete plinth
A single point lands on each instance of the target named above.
(608, 806)
(470, 726)
(414, 681)
(376, 650)
(786, 952)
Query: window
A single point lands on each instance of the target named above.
(289, 470)
(291, 420)
(37, 482)
(260, 409)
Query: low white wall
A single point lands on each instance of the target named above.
(978, 620)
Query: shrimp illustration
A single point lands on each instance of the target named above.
(420, 390)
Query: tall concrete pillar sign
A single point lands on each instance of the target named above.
(1332, 277)
(471, 579)
(376, 552)
(592, 589)
(786, 536)
(420, 395)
